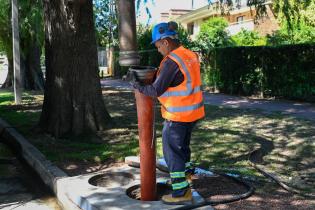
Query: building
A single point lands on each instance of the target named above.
(240, 17)
(173, 14)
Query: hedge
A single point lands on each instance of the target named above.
(283, 71)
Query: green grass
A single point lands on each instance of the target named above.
(222, 141)
(23, 116)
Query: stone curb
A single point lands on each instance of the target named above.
(51, 175)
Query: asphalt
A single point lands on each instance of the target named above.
(301, 110)
(20, 188)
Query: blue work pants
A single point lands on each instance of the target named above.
(176, 150)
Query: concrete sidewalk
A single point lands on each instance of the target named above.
(296, 109)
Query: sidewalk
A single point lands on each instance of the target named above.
(297, 109)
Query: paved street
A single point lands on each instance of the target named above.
(298, 109)
(20, 189)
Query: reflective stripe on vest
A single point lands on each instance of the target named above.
(189, 90)
(184, 108)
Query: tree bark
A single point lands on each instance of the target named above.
(33, 75)
(73, 101)
(9, 80)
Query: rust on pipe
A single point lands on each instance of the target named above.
(147, 146)
(145, 113)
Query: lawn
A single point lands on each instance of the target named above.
(222, 141)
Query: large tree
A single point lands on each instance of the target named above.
(106, 22)
(73, 101)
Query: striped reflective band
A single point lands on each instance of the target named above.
(184, 108)
(180, 185)
(179, 60)
(189, 89)
(177, 174)
(181, 93)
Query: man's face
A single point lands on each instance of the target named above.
(163, 47)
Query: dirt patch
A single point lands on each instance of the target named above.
(267, 196)
(218, 187)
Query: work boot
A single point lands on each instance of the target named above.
(178, 200)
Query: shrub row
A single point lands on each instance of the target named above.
(283, 71)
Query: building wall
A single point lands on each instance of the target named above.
(172, 14)
(236, 27)
(264, 26)
(268, 24)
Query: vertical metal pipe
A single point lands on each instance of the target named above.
(128, 54)
(145, 112)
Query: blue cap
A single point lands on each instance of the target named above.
(163, 30)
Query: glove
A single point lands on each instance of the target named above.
(133, 80)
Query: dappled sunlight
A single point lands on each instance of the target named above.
(222, 141)
(227, 136)
(71, 167)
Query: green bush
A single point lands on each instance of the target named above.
(285, 71)
(248, 38)
(300, 34)
(213, 34)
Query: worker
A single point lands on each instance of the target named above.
(178, 88)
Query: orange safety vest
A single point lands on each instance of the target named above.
(183, 103)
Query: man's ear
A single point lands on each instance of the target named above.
(166, 42)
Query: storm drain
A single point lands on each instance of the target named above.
(112, 179)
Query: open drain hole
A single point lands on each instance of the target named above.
(112, 179)
(161, 189)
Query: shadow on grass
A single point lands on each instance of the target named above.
(223, 139)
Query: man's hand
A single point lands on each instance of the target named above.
(133, 80)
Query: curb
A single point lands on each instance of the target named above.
(50, 174)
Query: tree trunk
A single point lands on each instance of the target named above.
(33, 79)
(9, 80)
(73, 100)
(31, 73)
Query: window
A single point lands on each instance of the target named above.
(240, 19)
(190, 28)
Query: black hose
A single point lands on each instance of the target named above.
(207, 202)
(250, 188)
(275, 178)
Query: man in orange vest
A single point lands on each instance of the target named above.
(178, 88)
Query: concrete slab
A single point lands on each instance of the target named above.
(88, 197)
